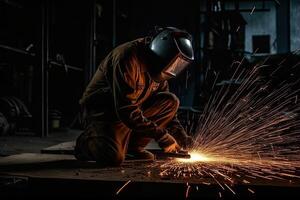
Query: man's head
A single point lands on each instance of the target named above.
(172, 52)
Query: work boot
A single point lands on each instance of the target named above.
(140, 155)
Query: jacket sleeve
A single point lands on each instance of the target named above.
(174, 127)
(126, 94)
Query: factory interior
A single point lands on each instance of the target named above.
(238, 99)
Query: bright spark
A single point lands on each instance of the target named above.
(119, 190)
(246, 132)
(195, 157)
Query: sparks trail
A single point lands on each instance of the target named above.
(252, 119)
(119, 190)
(244, 133)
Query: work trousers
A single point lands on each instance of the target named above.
(107, 142)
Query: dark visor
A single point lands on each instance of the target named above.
(176, 66)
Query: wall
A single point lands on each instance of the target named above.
(264, 23)
(295, 25)
(260, 23)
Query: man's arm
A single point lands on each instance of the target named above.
(126, 94)
(174, 127)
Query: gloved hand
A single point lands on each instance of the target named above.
(168, 143)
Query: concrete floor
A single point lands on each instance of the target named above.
(31, 174)
(63, 176)
(10, 145)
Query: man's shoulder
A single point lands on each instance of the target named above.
(128, 49)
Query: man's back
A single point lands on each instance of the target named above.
(99, 87)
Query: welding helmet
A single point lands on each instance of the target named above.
(173, 52)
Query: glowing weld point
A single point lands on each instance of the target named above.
(195, 157)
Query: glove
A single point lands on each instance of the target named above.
(168, 143)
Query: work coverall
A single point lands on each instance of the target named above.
(123, 108)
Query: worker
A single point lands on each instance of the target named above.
(127, 103)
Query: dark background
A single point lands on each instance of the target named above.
(50, 49)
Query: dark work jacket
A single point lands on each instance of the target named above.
(119, 87)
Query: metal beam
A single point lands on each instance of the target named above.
(67, 67)
(283, 26)
(240, 10)
(114, 23)
(16, 50)
(44, 68)
(92, 39)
